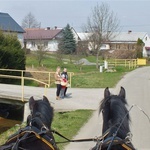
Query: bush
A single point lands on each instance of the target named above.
(12, 55)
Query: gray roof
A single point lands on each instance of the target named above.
(7, 23)
(118, 36)
(127, 36)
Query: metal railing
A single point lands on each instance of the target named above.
(131, 63)
(46, 83)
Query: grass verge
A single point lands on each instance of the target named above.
(97, 79)
(67, 123)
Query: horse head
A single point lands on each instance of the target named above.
(114, 109)
(41, 113)
(116, 121)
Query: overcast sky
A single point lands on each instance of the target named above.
(133, 15)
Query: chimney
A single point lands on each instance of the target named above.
(55, 27)
(129, 31)
(48, 28)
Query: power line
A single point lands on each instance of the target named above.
(136, 25)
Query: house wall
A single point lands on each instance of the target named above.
(76, 37)
(122, 46)
(146, 41)
(21, 39)
(53, 45)
(49, 45)
(105, 47)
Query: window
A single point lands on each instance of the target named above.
(33, 44)
(145, 38)
(45, 44)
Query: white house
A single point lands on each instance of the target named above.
(47, 37)
(9, 26)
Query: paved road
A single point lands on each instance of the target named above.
(78, 98)
(137, 85)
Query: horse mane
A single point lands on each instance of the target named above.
(114, 109)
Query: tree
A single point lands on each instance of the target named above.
(139, 48)
(12, 56)
(101, 24)
(30, 21)
(67, 44)
(40, 52)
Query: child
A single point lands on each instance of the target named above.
(64, 83)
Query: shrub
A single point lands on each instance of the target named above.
(12, 55)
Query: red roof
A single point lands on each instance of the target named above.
(41, 33)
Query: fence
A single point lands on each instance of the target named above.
(131, 63)
(42, 77)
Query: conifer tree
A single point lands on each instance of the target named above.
(67, 44)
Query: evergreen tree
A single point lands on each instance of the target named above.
(67, 44)
(12, 56)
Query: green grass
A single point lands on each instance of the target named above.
(97, 79)
(66, 123)
(85, 76)
(69, 123)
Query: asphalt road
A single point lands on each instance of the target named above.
(137, 85)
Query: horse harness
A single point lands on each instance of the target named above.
(103, 142)
(29, 132)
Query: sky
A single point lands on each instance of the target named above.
(133, 14)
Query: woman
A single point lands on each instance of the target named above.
(58, 82)
(64, 73)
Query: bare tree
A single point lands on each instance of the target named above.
(101, 24)
(30, 21)
(41, 51)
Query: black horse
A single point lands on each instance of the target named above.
(116, 122)
(37, 134)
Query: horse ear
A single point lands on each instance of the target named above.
(122, 92)
(29, 120)
(31, 103)
(106, 93)
(45, 99)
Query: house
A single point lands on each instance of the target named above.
(47, 37)
(128, 41)
(123, 41)
(9, 25)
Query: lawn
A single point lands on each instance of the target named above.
(84, 76)
(66, 123)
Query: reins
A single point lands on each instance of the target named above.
(80, 140)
